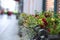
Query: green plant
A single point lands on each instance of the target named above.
(45, 19)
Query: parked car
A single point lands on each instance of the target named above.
(9, 13)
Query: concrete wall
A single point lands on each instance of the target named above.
(31, 5)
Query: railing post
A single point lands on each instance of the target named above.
(44, 5)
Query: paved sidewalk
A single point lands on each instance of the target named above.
(8, 28)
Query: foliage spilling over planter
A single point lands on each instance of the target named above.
(46, 20)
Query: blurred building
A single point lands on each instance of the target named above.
(58, 6)
(50, 5)
(29, 6)
(11, 5)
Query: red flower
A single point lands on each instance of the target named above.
(45, 22)
(48, 30)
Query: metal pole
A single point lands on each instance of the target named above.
(19, 7)
(17, 16)
(55, 7)
(44, 5)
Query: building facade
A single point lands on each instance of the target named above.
(58, 6)
(50, 5)
(29, 6)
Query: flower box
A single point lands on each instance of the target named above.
(45, 21)
(54, 37)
